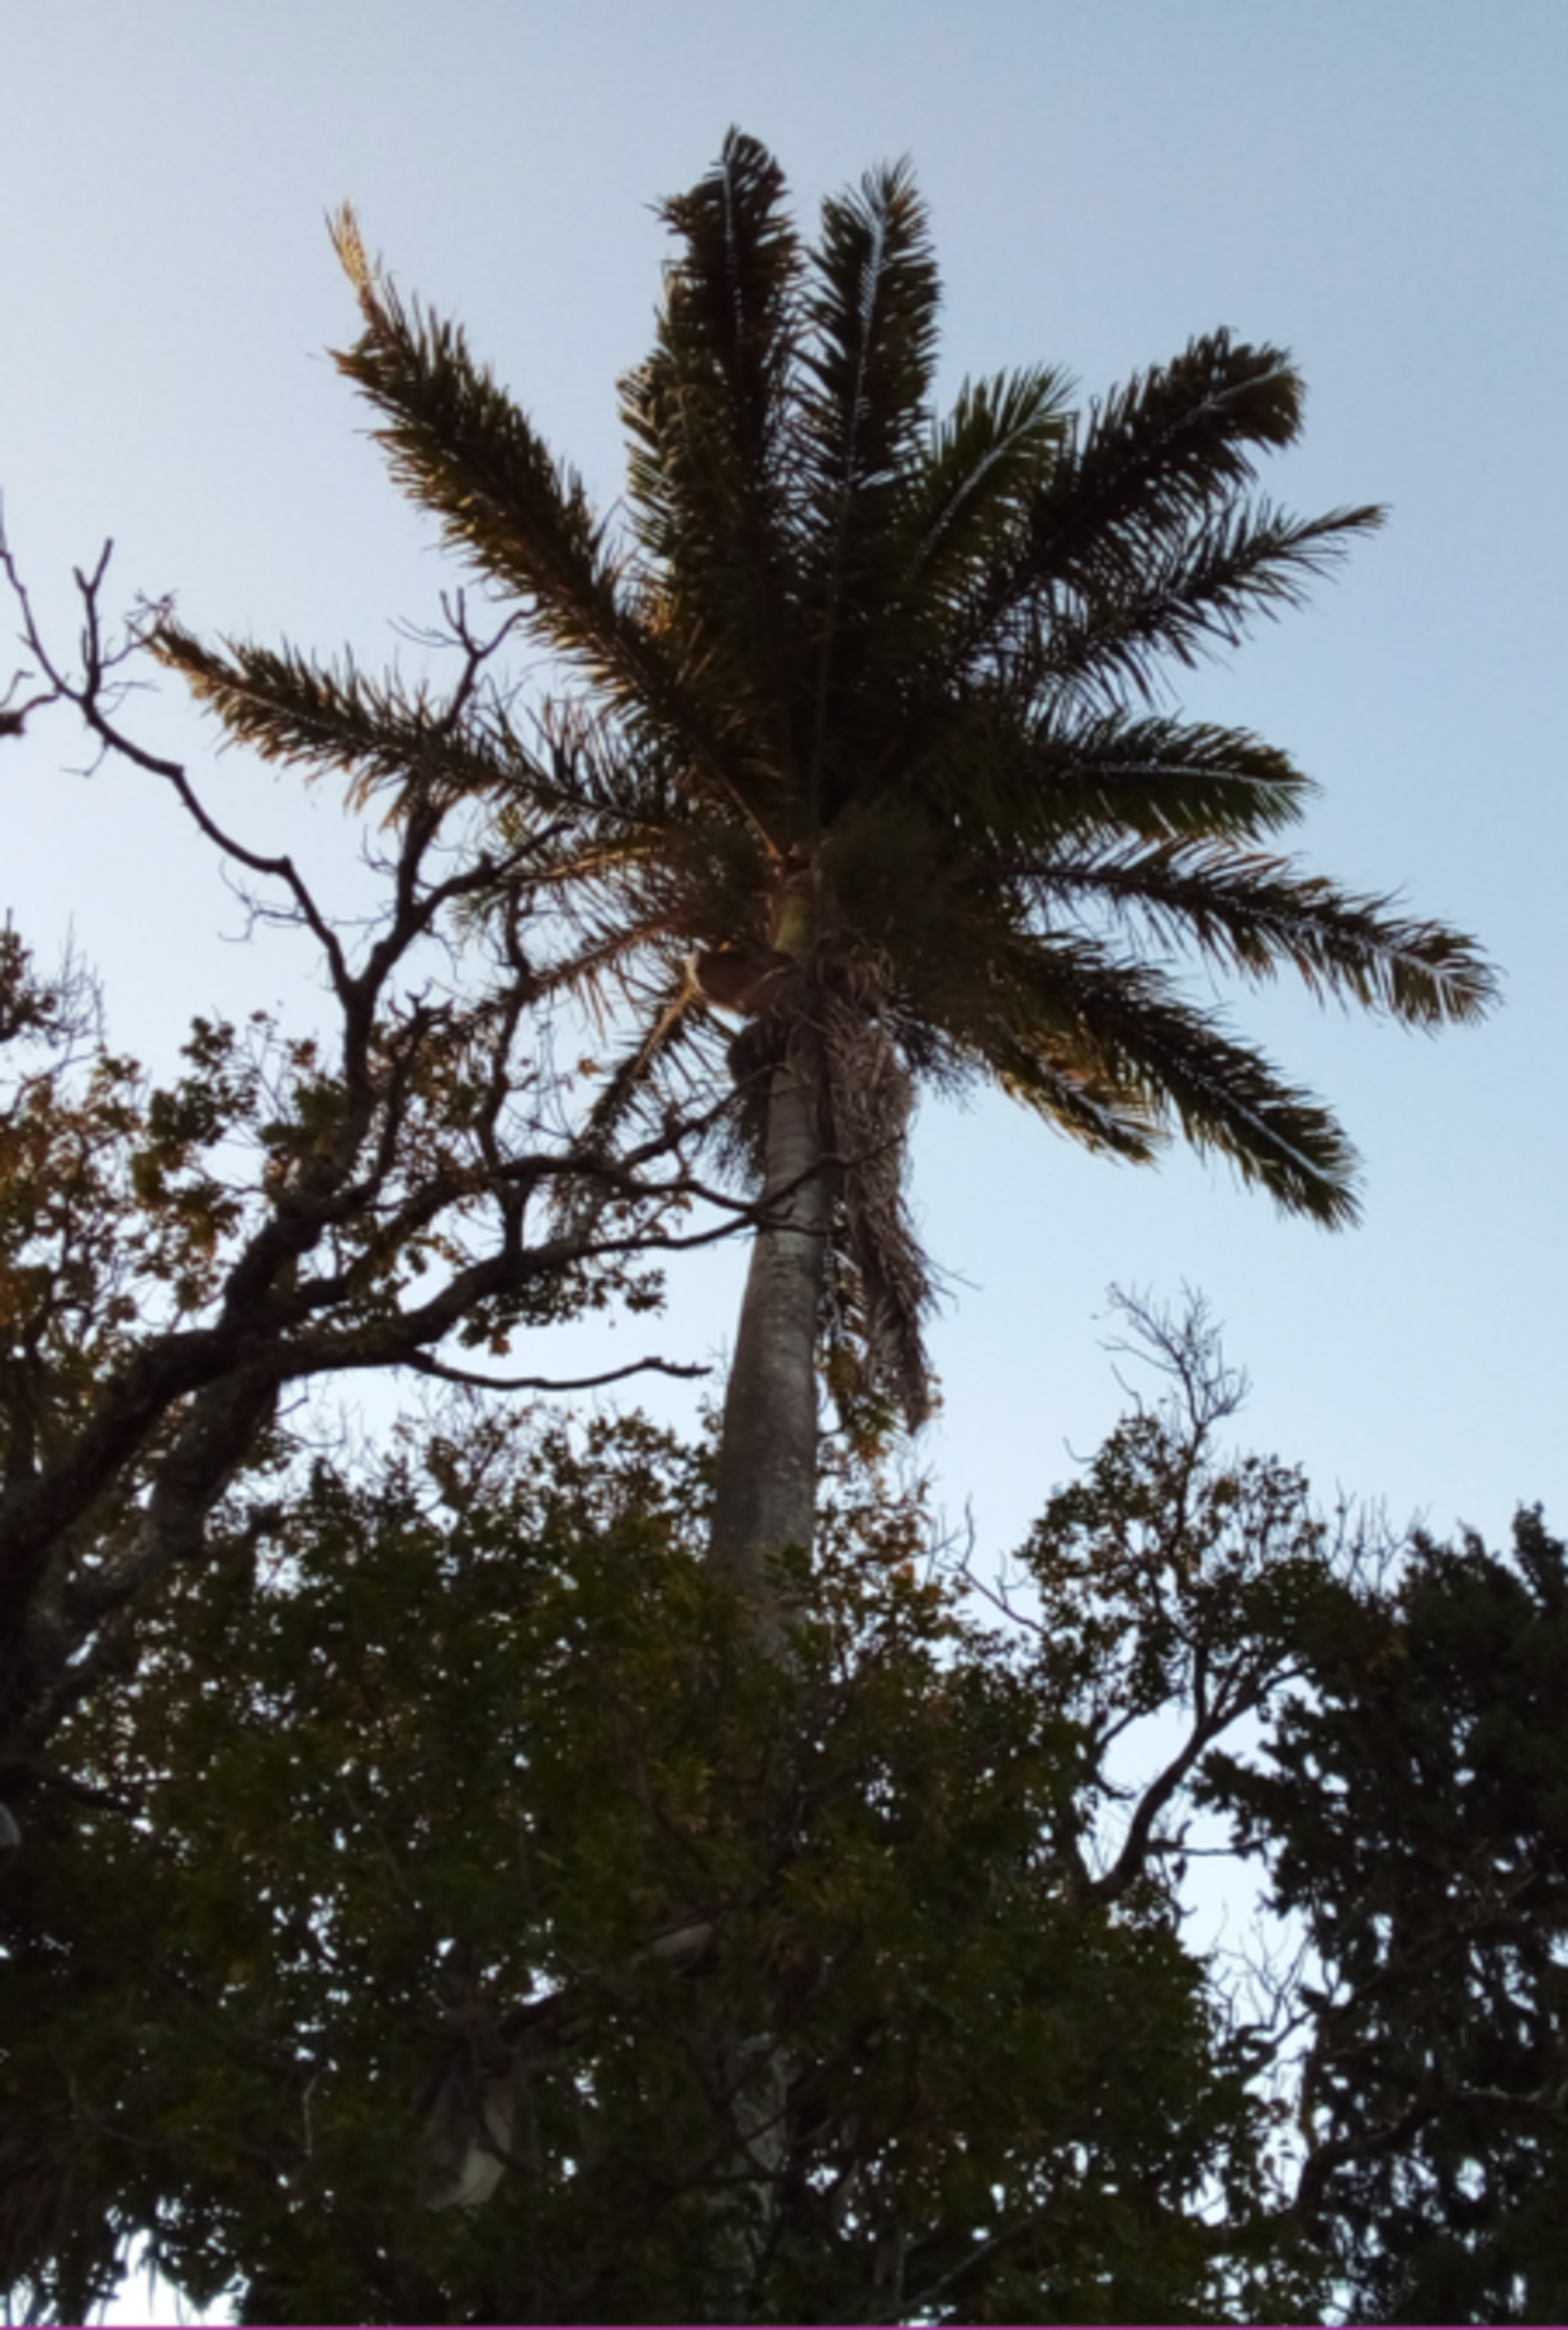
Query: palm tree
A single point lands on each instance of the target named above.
(862, 776)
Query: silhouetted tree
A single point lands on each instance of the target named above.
(1413, 1812)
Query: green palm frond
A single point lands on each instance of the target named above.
(973, 489)
(1097, 1115)
(1175, 440)
(872, 345)
(462, 449)
(459, 446)
(1158, 460)
(1148, 1057)
(867, 365)
(710, 483)
(964, 494)
(1050, 782)
(1000, 1005)
(379, 733)
(1098, 635)
(1256, 915)
(707, 414)
(586, 763)
(1230, 1101)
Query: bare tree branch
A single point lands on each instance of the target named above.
(444, 1374)
(294, 1209)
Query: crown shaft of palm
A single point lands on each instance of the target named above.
(864, 715)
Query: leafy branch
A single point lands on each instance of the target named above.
(406, 1187)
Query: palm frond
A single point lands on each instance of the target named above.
(1231, 1100)
(1158, 457)
(1120, 1024)
(1257, 915)
(1099, 1116)
(672, 1020)
(873, 339)
(707, 412)
(290, 708)
(1174, 440)
(978, 477)
(863, 416)
(961, 495)
(710, 480)
(461, 447)
(1003, 1008)
(1045, 781)
(603, 968)
(1096, 636)
(618, 782)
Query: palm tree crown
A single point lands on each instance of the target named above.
(863, 735)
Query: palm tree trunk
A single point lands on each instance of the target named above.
(766, 1500)
(766, 1503)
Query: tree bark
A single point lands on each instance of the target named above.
(765, 1504)
(766, 1500)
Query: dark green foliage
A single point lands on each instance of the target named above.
(490, 1698)
(1415, 1816)
(473, 1786)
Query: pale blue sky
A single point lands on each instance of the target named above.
(1379, 185)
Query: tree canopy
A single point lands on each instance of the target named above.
(472, 1797)
(408, 1800)
(1414, 1817)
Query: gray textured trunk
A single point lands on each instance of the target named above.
(765, 1504)
(766, 1499)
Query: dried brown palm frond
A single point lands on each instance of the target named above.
(831, 1019)
(868, 1097)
